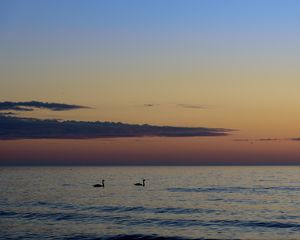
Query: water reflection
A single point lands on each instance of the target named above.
(185, 202)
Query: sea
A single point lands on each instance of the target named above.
(197, 202)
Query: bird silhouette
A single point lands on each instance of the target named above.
(140, 184)
(99, 185)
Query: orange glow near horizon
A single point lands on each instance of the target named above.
(148, 151)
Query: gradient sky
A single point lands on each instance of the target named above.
(229, 64)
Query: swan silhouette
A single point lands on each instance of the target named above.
(140, 184)
(99, 185)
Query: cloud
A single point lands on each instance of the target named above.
(258, 139)
(194, 106)
(150, 105)
(182, 105)
(252, 140)
(12, 127)
(7, 114)
(31, 105)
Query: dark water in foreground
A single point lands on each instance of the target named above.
(177, 202)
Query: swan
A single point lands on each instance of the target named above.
(140, 184)
(99, 185)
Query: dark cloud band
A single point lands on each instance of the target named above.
(295, 139)
(12, 127)
(29, 106)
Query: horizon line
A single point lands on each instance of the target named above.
(151, 165)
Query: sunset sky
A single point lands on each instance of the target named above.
(209, 63)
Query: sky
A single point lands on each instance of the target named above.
(209, 63)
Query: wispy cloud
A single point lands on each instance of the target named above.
(31, 105)
(7, 114)
(31, 128)
(252, 140)
(181, 105)
(258, 139)
(193, 106)
(150, 105)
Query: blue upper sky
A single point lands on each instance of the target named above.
(156, 16)
(118, 52)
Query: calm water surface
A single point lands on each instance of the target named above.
(179, 202)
